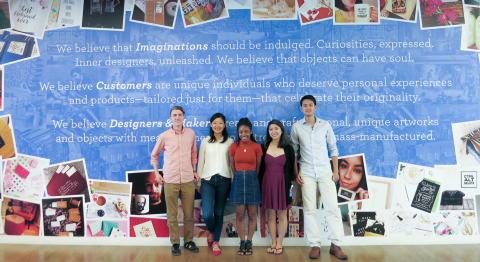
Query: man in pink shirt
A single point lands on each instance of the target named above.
(179, 174)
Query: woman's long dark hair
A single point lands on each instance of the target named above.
(362, 184)
(284, 141)
(213, 139)
(244, 122)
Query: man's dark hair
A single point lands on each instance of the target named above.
(309, 97)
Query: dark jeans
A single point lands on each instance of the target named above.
(214, 197)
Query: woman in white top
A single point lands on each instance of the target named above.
(214, 169)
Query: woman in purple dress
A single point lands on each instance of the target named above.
(277, 171)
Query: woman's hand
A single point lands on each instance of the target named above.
(374, 13)
(362, 193)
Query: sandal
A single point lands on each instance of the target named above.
(276, 251)
(216, 249)
(241, 249)
(248, 248)
(210, 239)
(271, 250)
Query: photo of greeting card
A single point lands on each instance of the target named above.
(65, 14)
(417, 188)
(367, 223)
(406, 223)
(95, 227)
(375, 228)
(23, 177)
(145, 230)
(68, 178)
(53, 16)
(117, 233)
(293, 214)
(30, 16)
(65, 214)
(293, 230)
(427, 195)
(448, 223)
(17, 48)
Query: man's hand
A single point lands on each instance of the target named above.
(299, 180)
(335, 176)
(197, 177)
(199, 190)
(161, 180)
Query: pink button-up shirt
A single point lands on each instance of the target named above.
(180, 153)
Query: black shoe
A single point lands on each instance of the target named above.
(176, 250)
(241, 250)
(248, 247)
(191, 246)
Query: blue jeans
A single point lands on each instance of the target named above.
(214, 197)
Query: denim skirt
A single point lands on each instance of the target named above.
(245, 189)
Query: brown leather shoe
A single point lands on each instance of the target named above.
(337, 252)
(314, 253)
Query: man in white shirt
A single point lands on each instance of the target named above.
(315, 139)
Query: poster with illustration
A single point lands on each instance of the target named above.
(65, 13)
(30, 16)
(406, 223)
(418, 187)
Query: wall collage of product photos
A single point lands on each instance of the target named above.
(39, 198)
(420, 201)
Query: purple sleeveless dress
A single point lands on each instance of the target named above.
(273, 184)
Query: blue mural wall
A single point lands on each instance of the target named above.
(391, 91)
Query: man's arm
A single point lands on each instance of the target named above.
(335, 176)
(296, 145)
(194, 159)
(294, 140)
(154, 157)
(332, 148)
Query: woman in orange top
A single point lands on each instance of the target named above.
(245, 157)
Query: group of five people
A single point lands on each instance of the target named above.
(250, 174)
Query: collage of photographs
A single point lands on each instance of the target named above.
(46, 197)
(420, 201)
(111, 14)
(60, 200)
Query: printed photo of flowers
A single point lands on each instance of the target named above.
(438, 13)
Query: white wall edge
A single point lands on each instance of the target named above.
(345, 241)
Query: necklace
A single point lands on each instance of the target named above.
(245, 148)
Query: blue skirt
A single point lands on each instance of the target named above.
(245, 189)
